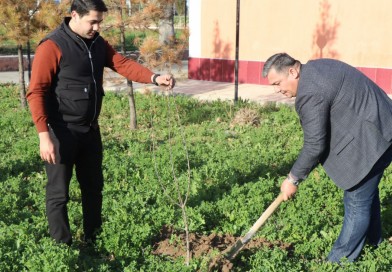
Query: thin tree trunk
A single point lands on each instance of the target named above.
(122, 30)
(29, 60)
(187, 240)
(22, 87)
(132, 106)
(131, 96)
(166, 25)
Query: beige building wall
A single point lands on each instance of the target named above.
(357, 32)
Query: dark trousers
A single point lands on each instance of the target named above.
(84, 151)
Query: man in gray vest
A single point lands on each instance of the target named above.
(347, 123)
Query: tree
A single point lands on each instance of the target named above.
(166, 22)
(152, 52)
(157, 14)
(120, 22)
(168, 49)
(180, 8)
(164, 52)
(177, 187)
(22, 21)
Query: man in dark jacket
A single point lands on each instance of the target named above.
(65, 97)
(347, 123)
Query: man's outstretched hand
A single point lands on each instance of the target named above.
(167, 81)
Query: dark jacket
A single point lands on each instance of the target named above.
(346, 119)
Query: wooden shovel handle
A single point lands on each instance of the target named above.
(233, 251)
(266, 214)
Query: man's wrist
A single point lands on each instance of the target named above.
(43, 134)
(154, 79)
(293, 180)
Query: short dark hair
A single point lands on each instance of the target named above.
(279, 62)
(83, 7)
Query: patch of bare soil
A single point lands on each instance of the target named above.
(171, 243)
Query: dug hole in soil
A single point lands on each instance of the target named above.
(172, 243)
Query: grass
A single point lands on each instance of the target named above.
(236, 173)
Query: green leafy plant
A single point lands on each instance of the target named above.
(236, 172)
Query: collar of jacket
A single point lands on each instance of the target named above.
(65, 27)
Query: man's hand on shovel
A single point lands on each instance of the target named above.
(231, 252)
(288, 189)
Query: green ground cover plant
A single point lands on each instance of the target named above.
(236, 173)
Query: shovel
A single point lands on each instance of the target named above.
(233, 251)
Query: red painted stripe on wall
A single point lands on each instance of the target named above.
(222, 70)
